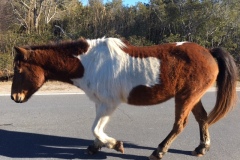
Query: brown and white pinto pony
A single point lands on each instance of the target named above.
(112, 71)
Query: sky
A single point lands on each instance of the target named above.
(125, 2)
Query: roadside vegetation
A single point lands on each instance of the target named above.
(211, 23)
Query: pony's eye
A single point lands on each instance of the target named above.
(17, 70)
(17, 67)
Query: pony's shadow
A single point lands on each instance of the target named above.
(32, 145)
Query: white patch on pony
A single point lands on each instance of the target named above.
(110, 73)
(180, 43)
(207, 142)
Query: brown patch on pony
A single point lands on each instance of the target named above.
(143, 95)
(183, 68)
(146, 51)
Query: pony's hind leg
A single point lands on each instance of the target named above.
(201, 117)
(183, 107)
(103, 113)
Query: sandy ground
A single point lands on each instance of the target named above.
(48, 87)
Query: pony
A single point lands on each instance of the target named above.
(112, 71)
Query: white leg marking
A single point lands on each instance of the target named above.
(103, 113)
(207, 142)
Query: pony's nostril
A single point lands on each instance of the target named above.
(12, 97)
(20, 98)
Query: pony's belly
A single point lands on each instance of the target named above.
(143, 95)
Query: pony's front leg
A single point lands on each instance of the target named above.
(103, 113)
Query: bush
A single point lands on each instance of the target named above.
(6, 67)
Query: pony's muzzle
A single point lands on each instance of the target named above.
(18, 97)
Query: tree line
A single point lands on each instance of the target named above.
(211, 23)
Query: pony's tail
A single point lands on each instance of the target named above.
(226, 85)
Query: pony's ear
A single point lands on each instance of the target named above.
(22, 53)
(83, 45)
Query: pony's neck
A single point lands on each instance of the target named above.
(59, 62)
(63, 69)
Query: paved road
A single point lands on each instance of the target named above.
(59, 127)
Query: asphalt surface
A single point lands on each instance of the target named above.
(59, 127)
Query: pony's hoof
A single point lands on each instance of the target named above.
(92, 150)
(152, 157)
(194, 153)
(156, 156)
(200, 150)
(119, 147)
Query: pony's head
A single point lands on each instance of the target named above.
(28, 77)
(34, 65)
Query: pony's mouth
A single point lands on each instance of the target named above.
(19, 97)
